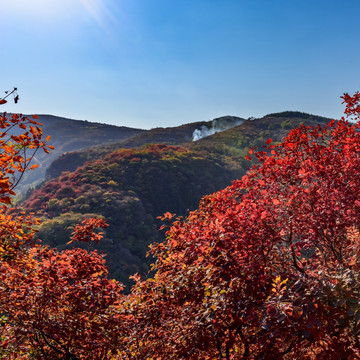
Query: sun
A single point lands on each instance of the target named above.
(104, 12)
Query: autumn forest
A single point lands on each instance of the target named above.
(242, 245)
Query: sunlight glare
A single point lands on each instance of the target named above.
(99, 11)
(94, 9)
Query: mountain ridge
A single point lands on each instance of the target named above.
(182, 135)
(68, 135)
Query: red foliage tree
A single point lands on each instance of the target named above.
(59, 305)
(268, 268)
(53, 305)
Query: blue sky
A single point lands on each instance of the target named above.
(150, 63)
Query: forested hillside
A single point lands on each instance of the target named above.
(169, 136)
(130, 188)
(69, 135)
(231, 145)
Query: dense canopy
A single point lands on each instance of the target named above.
(267, 268)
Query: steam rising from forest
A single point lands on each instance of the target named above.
(217, 125)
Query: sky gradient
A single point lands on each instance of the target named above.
(151, 63)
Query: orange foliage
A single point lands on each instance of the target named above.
(265, 269)
(53, 305)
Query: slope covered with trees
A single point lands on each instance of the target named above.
(230, 145)
(70, 135)
(267, 268)
(178, 136)
(130, 189)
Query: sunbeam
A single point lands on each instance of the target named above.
(100, 12)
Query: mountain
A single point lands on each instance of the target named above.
(232, 145)
(179, 135)
(130, 188)
(69, 135)
(69, 161)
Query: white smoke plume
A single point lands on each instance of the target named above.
(217, 125)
